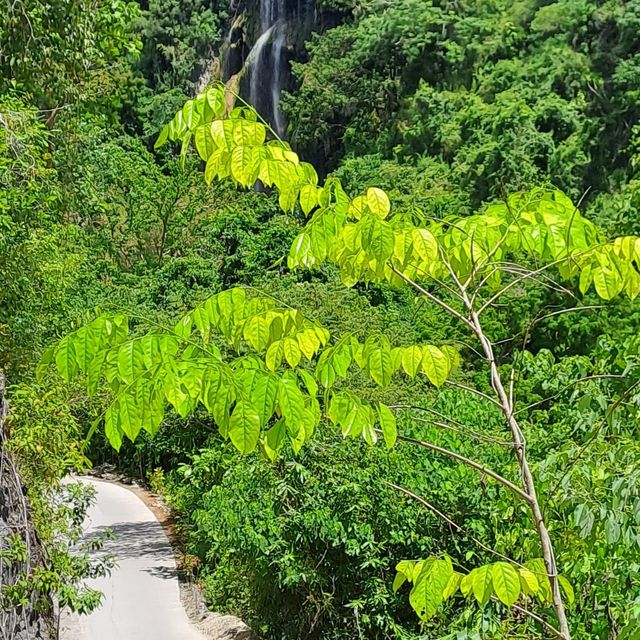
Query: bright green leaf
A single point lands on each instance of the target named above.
(244, 427)
(506, 582)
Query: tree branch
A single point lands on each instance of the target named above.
(537, 618)
(474, 391)
(526, 276)
(525, 470)
(469, 432)
(470, 463)
(431, 297)
(424, 503)
(602, 376)
(456, 526)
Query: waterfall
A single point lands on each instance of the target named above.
(277, 49)
(226, 57)
(267, 61)
(263, 36)
(257, 64)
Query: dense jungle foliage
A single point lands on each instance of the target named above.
(455, 110)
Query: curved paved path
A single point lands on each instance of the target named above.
(141, 598)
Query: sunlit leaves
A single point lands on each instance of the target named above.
(78, 351)
(607, 281)
(452, 586)
(308, 198)
(566, 587)
(65, 358)
(194, 114)
(377, 359)
(506, 582)
(112, 429)
(130, 361)
(434, 581)
(430, 579)
(412, 360)
(482, 583)
(182, 367)
(387, 425)
(368, 243)
(539, 570)
(528, 582)
(204, 142)
(258, 385)
(291, 402)
(353, 416)
(436, 365)
(357, 419)
(245, 164)
(376, 239)
(244, 426)
(291, 351)
(275, 439)
(255, 321)
(380, 361)
(423, 246)
(378, 202)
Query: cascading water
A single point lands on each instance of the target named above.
(267, 62)
(259, 71)
(278, 47)
(263, 37)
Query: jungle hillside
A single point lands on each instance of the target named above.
(351, 284)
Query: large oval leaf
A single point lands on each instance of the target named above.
(506, 582)
(244, 427)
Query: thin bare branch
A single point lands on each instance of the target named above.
(539, 318)
(526, 276)
(530, 273)
(430, 296)
(525, 470)
(452, 272)
(468, 346)
(424, 503)
(603, 376)
(482, 282)
(433, 412)
(537, 618)
(456, 526)
(468, 432)
(477, 392)
(587, 307)
(511, 387)
(441, 283)
(470, 463)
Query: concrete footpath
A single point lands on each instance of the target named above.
(141, 598)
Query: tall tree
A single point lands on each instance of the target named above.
(58, 52)
(289, 373)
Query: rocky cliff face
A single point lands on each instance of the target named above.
(16, 534)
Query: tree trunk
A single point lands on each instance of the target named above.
(527, 478)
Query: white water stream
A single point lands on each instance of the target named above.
(267, 60)
(259, 67)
